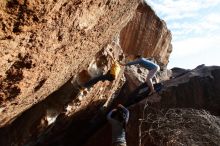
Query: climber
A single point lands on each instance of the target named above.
(146, 63)
(111, 75)
(118, 118)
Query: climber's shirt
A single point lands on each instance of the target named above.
(115, 69)
(118, 131)
(144, 63)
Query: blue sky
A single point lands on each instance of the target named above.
(195, 27)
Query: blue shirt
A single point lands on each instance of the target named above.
(144, 63)
(118, 131)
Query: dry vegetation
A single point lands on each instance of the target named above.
(180, 127)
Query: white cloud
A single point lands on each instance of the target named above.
(195, 27)
(191, 52)
(205, 26)
(192, 46)
(207, 57)
(191, 16)
(213, 19)
(173, 8)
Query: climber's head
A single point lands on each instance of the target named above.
(137, 56)
(119, 115)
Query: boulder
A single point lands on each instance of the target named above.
(147, 35)
(45, 43)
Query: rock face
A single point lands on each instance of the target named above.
(185, 112)
(45, 47)
(66, 108)
(136, 79)
(45, 43)
(147, 35)
(49, 49)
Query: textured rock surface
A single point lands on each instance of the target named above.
(47, 49)
(44, 43)
(136, 76)
(185, 112)
(147, 35)
(56, 119)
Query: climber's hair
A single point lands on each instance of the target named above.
(137, 56)
(120, 116)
